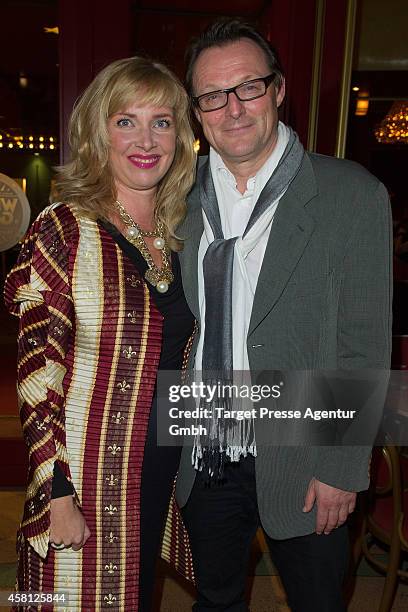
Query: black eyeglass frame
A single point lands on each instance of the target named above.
(267, 81)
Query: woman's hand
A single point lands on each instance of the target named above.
(67, 523)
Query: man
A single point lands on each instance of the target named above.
(306, 285)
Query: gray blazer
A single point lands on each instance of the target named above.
(323, 300)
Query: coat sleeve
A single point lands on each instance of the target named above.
(37, 290)
(364, 342)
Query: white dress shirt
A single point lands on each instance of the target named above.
(235, 210)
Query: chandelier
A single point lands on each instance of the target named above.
(393, 129)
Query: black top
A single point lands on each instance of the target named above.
(178, 326)
(178, 321)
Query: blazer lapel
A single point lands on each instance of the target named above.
(290, 233)
(192, 230)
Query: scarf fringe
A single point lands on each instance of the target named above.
(226, 439)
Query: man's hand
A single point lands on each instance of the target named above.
(333, 505)
(68, 525)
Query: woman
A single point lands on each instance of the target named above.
(98, 291)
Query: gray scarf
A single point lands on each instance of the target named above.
(229, 437)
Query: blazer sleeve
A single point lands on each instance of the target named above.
(364, 340)
(38, 291)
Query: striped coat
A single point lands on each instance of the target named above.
(89, 348)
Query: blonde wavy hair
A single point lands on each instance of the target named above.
(87, 180)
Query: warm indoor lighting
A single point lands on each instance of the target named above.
(1, 145)
(54, 30)
(22, 142)
(356, 88)
(362, 104)
(23, 80)
(196, 145)
(393, 129)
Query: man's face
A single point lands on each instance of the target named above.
(241, 132)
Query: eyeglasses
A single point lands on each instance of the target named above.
(249, 90)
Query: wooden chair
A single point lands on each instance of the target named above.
(384, 517)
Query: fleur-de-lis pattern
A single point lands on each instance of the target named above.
(53, 248)
(129, 353)
(111, 538)
(109, 599)
(43, 425)
(133, 280)
(118, 418)
(112, 480)
(114, 449)
(71, 275)
(111, 568)
(134, 316)
(123, 386)
(68, 580)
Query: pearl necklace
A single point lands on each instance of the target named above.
(158, 277)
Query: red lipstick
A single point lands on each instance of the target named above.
(144, 161)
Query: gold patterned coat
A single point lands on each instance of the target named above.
(89, 348)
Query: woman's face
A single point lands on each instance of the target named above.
(142, 146)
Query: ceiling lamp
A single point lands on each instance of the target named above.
(393, 129)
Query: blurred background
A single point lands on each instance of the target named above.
(346, 65)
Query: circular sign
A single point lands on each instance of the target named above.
(14, 213)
